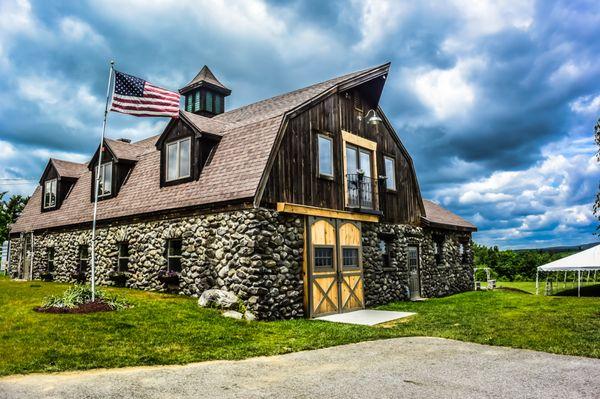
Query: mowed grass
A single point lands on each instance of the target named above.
(168, 329)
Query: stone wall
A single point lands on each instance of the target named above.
(389, 282)
(256, 254)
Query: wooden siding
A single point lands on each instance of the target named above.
(294, 177)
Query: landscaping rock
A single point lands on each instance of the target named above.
(232, 314)
(249, 316)
(220, 299)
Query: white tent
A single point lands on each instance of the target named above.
(588, 260)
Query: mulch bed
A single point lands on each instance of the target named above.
(90, 307)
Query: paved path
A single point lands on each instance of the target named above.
(402, 367)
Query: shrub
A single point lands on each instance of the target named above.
(78, 295)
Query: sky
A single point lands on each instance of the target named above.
(495, 100)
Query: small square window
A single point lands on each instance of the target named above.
(325, 156)
(323, 258)
(350, 258)
(174, 247)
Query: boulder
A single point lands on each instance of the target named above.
(249, 315)
(220, 299)
(232, 314)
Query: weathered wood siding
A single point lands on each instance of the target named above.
(294, 176)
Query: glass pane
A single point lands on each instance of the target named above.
(365, 162)
(188, 103)
(172, 161)
(124, 250)
(174, 248)
(209, 101)
(325, 156)
(107, 174)
(351, 160)
(350, 257)
(218, 99)
(175, 264)
(390, 173)
(197, 101)
(324, 258)
(184, 158)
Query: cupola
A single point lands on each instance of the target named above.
(205, 95)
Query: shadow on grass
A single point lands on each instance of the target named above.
(587, 291)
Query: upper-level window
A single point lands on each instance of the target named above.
(178, 159)
(50, 193)
(189, 100)
(105, 176)
(390, 173)
(218, 99)
(197, 101)
(325, 156)
(209, 101)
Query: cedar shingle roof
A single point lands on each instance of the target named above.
(68, 169)
(125, 151)
(436, 216)
(234, 173)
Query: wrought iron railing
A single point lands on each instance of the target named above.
(361, 191)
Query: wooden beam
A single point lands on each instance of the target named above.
(286, 207)
(359, 141)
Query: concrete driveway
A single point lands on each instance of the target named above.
(403, 367)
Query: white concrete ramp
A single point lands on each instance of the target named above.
(366, 317)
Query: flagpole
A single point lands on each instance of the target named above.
(97, 183)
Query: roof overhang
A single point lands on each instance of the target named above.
(429, 223)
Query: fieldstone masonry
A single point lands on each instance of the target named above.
(256, 254)
(389, 282)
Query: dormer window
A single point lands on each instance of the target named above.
(178, 159)
(105, 184)
(50, 193)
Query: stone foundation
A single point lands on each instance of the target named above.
(256, 254)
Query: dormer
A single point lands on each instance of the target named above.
(118, 158)
(186, 147)
(57, 180)
(205, 95)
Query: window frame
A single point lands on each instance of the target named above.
(321, 173)
(177, 161)
(50, 252)
(100, 174)
(169, 256)
(46, 192)
(320, 268)
(81, 260)
(122, 258)
(394, 187)
(343, 263)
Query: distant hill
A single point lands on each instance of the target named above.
(563, 248)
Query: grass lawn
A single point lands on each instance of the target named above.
(560, 289)
(167, 329)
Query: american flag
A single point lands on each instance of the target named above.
(137, 97)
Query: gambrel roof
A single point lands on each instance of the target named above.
(248, 135)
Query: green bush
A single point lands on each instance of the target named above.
(81, 294)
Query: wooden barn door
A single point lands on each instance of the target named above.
(335, 266)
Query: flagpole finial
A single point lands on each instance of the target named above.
(112, 62)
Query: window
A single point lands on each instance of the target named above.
(50, 193)
(188, 102)
(462, 250)
(50, 260)
(360, 192)
(105, 176)
(350, 257)
(325, 156)
(84, 258)
(174, 255)
(123, 260)
(384, 250)
(197, 101)
(178, 159)
(209, 101)
(390, 173)
(218, 100)
(438, 245)
(323, 258)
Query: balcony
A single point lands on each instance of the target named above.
(361, 191)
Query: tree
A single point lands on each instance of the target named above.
(9, 212)
(597, 203)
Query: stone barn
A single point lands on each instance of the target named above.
(303, 204)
